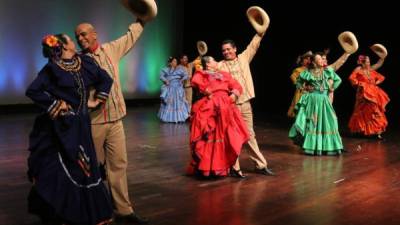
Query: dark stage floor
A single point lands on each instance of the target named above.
(361, 187)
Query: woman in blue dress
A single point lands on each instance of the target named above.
(66, 184)
(174, 107)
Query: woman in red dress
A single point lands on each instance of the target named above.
(369, 111)
(217, 130)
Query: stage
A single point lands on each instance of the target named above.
(360, 187)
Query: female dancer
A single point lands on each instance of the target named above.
(174, 107)
(67, 187)
(368, 117)
(217, 130)
(316, 128)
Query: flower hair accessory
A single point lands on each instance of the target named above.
(51, 41)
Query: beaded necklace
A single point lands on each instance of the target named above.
(318, 74)
(73, 68)
(74, 65)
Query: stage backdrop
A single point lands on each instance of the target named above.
(24, 23)
(296, 27)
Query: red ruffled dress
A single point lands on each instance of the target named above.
(217, 130)
(368, 117)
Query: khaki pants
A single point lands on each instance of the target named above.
(255, 155)
(109, 141)
(189, 94)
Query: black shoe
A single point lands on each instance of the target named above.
(265, 171)
(236, 173)
(132, 218)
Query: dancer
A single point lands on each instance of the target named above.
(107, 127)
(184, 63)
(217, 130)
(174, 107)
(189, 67)
(239, 67)
(303, 62)
(368, 117)
(67, 187)
(316, 128)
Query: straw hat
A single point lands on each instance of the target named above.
(145, 10)
(301, 57)
(258, 18)
(348, 41)
(202, 47)
(380, 50)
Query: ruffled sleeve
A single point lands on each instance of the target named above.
(332, 75)
(304, 77)
(353, 78)
(200, 81)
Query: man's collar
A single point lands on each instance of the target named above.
(93, 50)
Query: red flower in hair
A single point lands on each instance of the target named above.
(50, 40)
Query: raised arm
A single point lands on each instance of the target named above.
(122, 45)
(252, 47)
(378, 64)
(339, 62)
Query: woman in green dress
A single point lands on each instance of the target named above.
(316, 128)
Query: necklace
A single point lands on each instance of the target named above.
(367, 74)
(72, 66)
(318, 74)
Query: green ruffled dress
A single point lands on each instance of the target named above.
(316, 127)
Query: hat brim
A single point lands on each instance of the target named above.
(348, 41)
(145, 10)
(380, 50)
(258, 18)
(202, 48)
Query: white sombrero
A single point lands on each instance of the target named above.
(380, 50)
(258, 18)
(348, 41)
(201, 47)
(145, 10)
